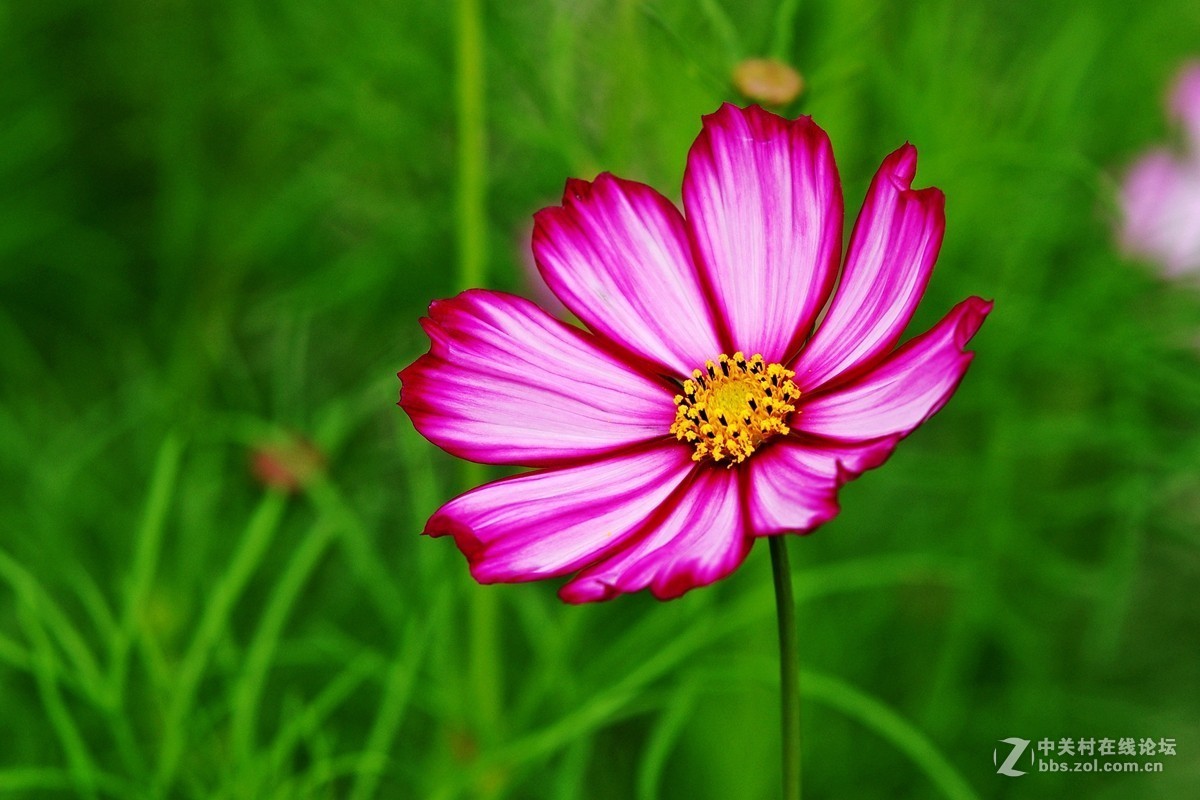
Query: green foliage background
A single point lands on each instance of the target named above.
(220, 223)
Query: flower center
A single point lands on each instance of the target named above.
(732, 406)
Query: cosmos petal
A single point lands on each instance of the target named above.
(764, 207)
(506, 383)
(904, 390)
(793, 485)
(891, 256)
(555, 521)
(617, 254)
(699, 538)
(1160, 203)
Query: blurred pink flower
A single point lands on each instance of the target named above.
(1161, 196)
(664, 451)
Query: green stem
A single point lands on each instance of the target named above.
(472, 147)
(789, 668)
(472, 232)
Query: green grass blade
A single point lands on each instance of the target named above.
(85, 667)
(724, 28)
(399, 682)
(248, 690)
(46, 670)
(666, 732)
(257, 536)
(878, 717)
(145, 558)
(363, 555)
(334, 694)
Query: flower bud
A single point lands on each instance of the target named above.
(288, 464)
(768, 81)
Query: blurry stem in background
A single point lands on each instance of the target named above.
(789, 668)
(222, 599)
(724, 28)
(472, 146)
(883, 720)
(621, 139)
(785, 29)
(46, 671)
(484, 677)
(252, 679)
(145, 562)
(686, 51)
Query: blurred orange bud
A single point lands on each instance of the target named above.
(464, 748)
(288, 464)
(768, 81)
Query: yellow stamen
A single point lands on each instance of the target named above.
(728, 409)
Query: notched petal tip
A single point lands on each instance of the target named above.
(429, 324)
(901, 168)
(902, 165)
(933, 199)
(435, 327)
(725, 109)
(483, 571)
(761, 125)
(441, 524)
(442, 308)
(411, 391)
(578, 593)
(576, 189)
(975, 311)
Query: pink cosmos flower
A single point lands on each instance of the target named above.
(1161, 196)
(702, 411)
